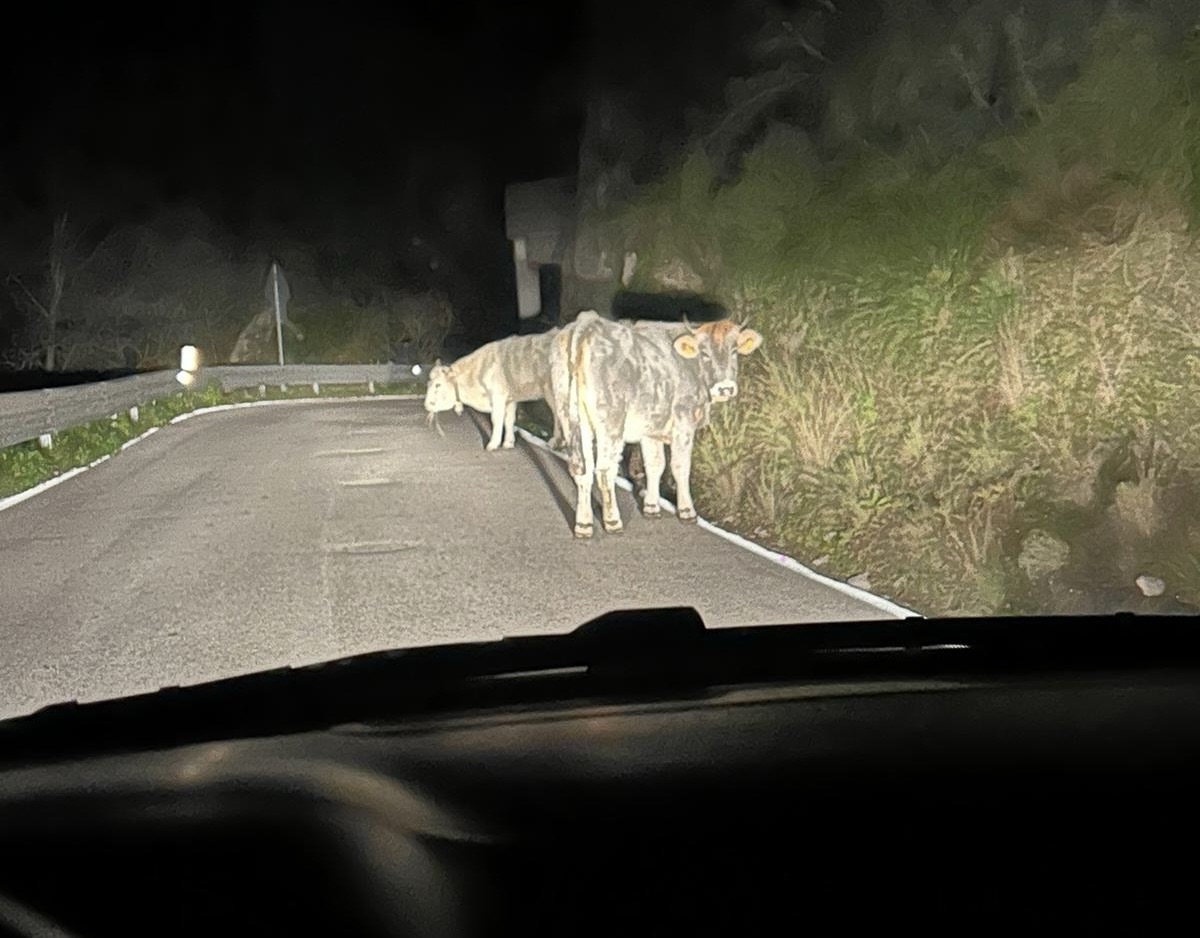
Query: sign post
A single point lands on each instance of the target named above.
(278, 308)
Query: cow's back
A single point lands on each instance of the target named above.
(524, 365)
(631, 379)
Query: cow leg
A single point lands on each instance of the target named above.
(636, 470)
(582, 464)
(510, 419)
(556, 438)
(681, 469)
(608, 461)
(498, 408)
(654, 461)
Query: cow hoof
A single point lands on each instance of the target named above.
(687, 515)
(614, 527)
(583, 531)
(509, 445)
(492, 447)
(652, 511)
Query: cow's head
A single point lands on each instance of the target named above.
(441, 393)
(715, 347)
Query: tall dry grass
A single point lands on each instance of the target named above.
(946, 351)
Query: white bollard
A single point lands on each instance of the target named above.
(46, 440)
(134, 413)
(283, 388)
(262, 390)
(189, 364)
(370, 387)
(316, 388)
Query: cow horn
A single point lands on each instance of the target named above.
(690, 327)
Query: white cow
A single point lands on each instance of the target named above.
(494, 379)
(640, 382)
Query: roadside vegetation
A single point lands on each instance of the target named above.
(129, 297)
(980, 385)
(26, 464)
(390, 326)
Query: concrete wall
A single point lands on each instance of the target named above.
(539, 221)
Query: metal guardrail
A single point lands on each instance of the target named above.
(27, 415)
(231, 377)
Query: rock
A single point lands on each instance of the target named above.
(629, 268)
(677, 275)
(590, 258)
(1151, 585)
(1136, 505)
(1041, 555)
(860, 581)
(821, 561)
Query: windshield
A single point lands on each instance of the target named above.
(325, 333)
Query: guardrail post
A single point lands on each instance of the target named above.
(46, 440)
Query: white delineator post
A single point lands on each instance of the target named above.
(189, 364)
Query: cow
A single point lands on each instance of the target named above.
(494, 379)
(650, 383)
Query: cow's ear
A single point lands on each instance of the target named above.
(748, 341)
(687, 346)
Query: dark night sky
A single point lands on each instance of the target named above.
(285, 111)
(339, 130)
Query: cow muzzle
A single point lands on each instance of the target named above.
(723, 390)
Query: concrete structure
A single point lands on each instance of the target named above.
(539, 222)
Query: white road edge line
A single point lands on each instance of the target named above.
(16, 499)
(879, 602)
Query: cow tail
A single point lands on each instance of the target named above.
(575, 408)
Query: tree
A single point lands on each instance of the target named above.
(45, 308)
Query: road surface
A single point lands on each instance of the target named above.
(289, 534)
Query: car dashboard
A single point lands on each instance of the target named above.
(922, 784)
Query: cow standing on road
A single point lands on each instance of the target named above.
(650, 383)
(494, 379)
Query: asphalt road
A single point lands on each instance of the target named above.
(269, 536)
